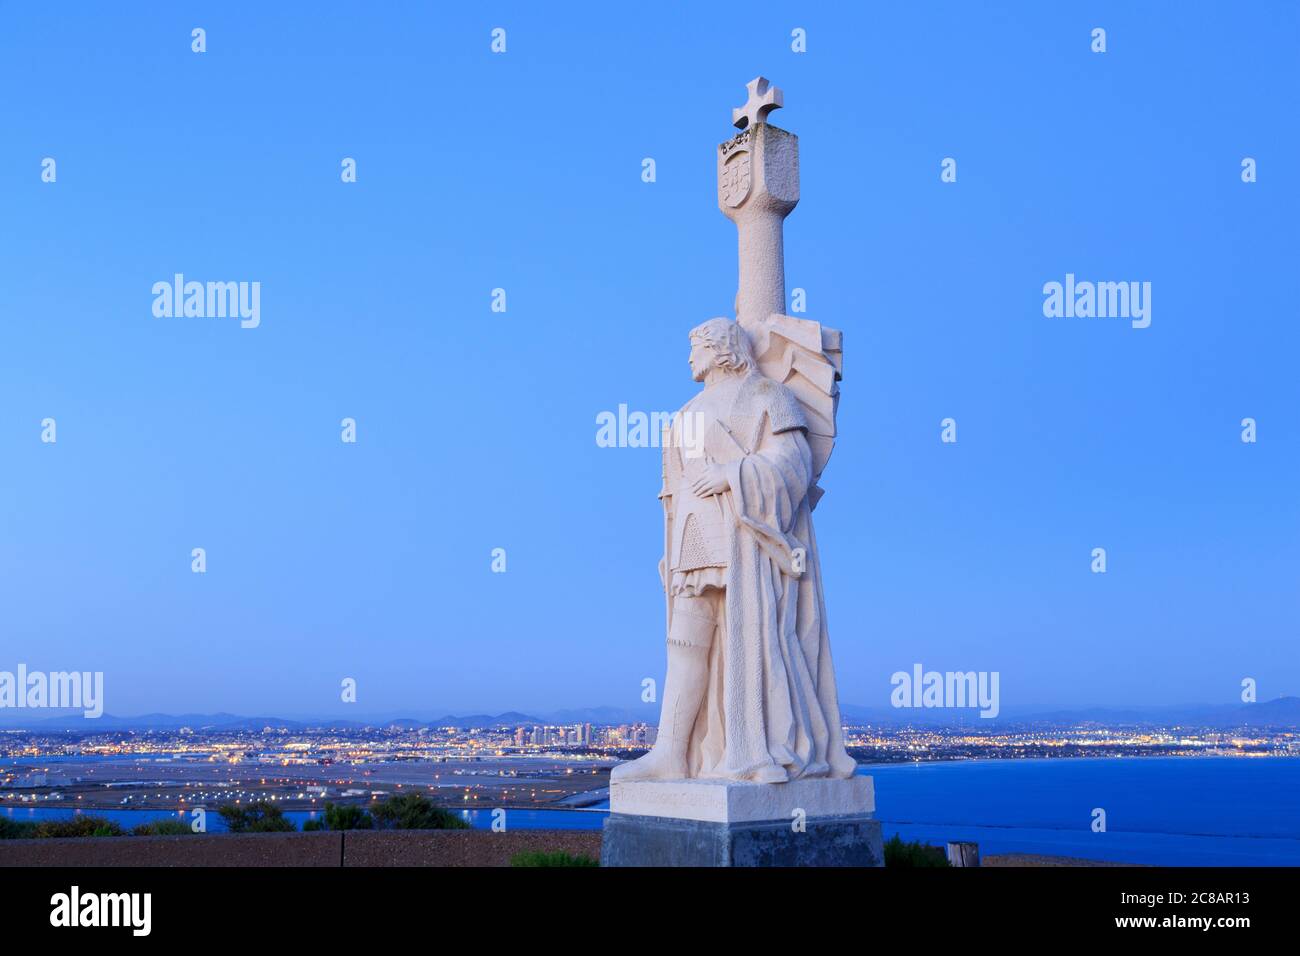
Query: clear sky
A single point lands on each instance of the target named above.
(476, 429)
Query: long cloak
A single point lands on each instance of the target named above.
(771, 696)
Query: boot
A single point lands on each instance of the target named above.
(688, 675)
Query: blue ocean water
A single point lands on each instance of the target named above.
(1173, 811)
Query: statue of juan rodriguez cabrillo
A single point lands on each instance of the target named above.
(750, 692)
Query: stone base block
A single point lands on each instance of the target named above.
(639, 840)
(732, 801)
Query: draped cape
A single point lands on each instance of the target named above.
(771, 696)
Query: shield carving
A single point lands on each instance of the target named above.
(736, 178)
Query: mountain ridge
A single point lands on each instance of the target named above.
(1280, 712)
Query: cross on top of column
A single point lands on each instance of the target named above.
(763, 98)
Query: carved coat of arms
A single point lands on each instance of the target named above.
(736, 178)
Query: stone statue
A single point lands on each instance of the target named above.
(750, 691)
(749, 768)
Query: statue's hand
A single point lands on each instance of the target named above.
(712, 482)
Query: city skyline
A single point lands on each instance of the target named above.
(1279, 712)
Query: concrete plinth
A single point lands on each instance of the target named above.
(724, 823)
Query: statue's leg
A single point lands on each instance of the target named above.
(688, 674)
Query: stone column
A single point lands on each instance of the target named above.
(758, 186)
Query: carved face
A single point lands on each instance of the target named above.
(702, 359)
(719, 343)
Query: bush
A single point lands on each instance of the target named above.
(14, 830)
(914, 854)
(413, 811)
(347, 818)
(163, 828)
(260, 817)
(557, 858)
(78, 826)
(341, 818)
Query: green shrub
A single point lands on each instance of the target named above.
(413, 811)
(347, 818)
(163, 828)
(556, 858)
(15, 830)
(311, 826)
(260, 817)
(78, 826)
(914, 854)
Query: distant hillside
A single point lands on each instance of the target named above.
(1282, 713)
(147, 722)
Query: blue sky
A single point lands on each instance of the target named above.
(476, 430)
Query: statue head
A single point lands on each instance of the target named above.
(721, 344)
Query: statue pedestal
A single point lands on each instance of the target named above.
(726, 823)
